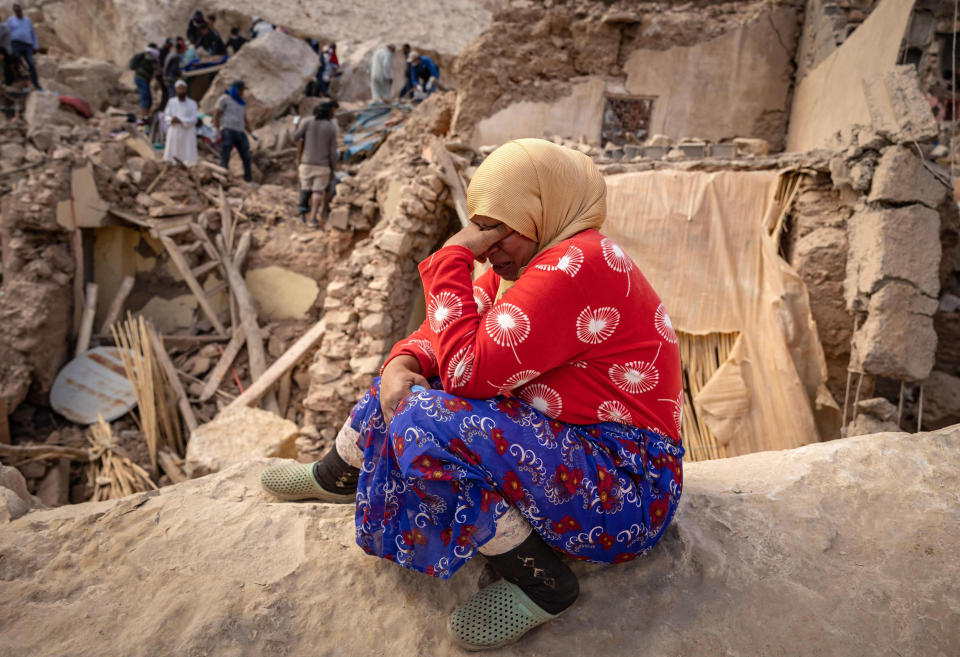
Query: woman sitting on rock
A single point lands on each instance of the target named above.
(553, 421)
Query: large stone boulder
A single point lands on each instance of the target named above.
(237, 436)
(842, 548)
(275, 67)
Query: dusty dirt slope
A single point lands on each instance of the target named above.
(839, 548)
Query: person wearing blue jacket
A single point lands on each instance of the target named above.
(24, 41)
(423, 73)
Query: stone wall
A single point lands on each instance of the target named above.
(723, 80)
(399, 200)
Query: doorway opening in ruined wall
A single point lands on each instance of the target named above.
(626, 119)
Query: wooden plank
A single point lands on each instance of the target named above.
(181, 264)
(226, 221)
(248, 320)
(219, 370)
(133, 219)
(205, 268)
(205, 240)
(163, 358)
(171, 210)
(169, 464)
(116, 306)
(243, 247)
(263, 383)
(156, 181)
(436, 152)
(176, 229)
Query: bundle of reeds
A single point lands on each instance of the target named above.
(112, 473)
(700, 357)
(158, 418)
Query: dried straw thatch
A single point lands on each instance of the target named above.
(112, 473)
(701, 356)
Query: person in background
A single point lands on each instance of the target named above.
(235, 42)
(407, 89)
(23, 42)
(259, 27)
(188, 56)
(317, 154)
(423, 73)
(230, 118)
(144, 67)
(171, 65)
(166, 84)
(211, 42)
(381, 73)
(193, 27)
(6, 51)
(181, 118)
(329, 68)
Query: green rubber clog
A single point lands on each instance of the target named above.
(495, 616)
(294, 481)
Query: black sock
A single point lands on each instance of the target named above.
(538, 570)
(335, 475)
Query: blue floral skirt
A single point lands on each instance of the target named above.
(433, 485)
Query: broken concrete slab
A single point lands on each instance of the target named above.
(897, 106)
(275, 67)
(239, 435)
(85, 208)
(892, 244)
(94, 80)
(897, 340)
(941, 400)
(901, 177)
(281, 293)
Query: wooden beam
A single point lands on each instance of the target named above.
(243, 247)
(181, 264)
(248, 320)
(173, 210)
(164, 359)
(204, 240)
(226, 221)
(86, 321)
(215, 378)
(263, 383)
(169, 464)
(116, 306)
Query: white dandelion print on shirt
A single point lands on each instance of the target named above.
(569, 263)
(425, 347)
(596, 325)
(508, 326)
(516, 380)
(661, 321)
(443, 309)
(636, 376)
(543, 398)
(483, 300)
(460, 367)
(614, 411)
(677, 410)
(616, 259)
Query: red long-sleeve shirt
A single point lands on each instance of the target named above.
(581, 335)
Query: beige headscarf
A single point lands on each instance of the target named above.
(545, 192)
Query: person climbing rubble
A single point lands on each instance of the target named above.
(196, 22)
(235, 42)
(423, 73)
(536, 409)
(23, 42)
(381, 73)
(317, 157)
(144, 65)
(230, 118)
(181, 119)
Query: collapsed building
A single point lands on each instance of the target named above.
(796, 156)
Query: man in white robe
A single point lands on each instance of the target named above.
(181, 119)
(381, 73)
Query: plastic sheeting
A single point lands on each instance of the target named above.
(702, 240)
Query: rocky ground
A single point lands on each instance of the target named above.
(839, 548)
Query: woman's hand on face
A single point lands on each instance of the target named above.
(400, 374)
(479, 240)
